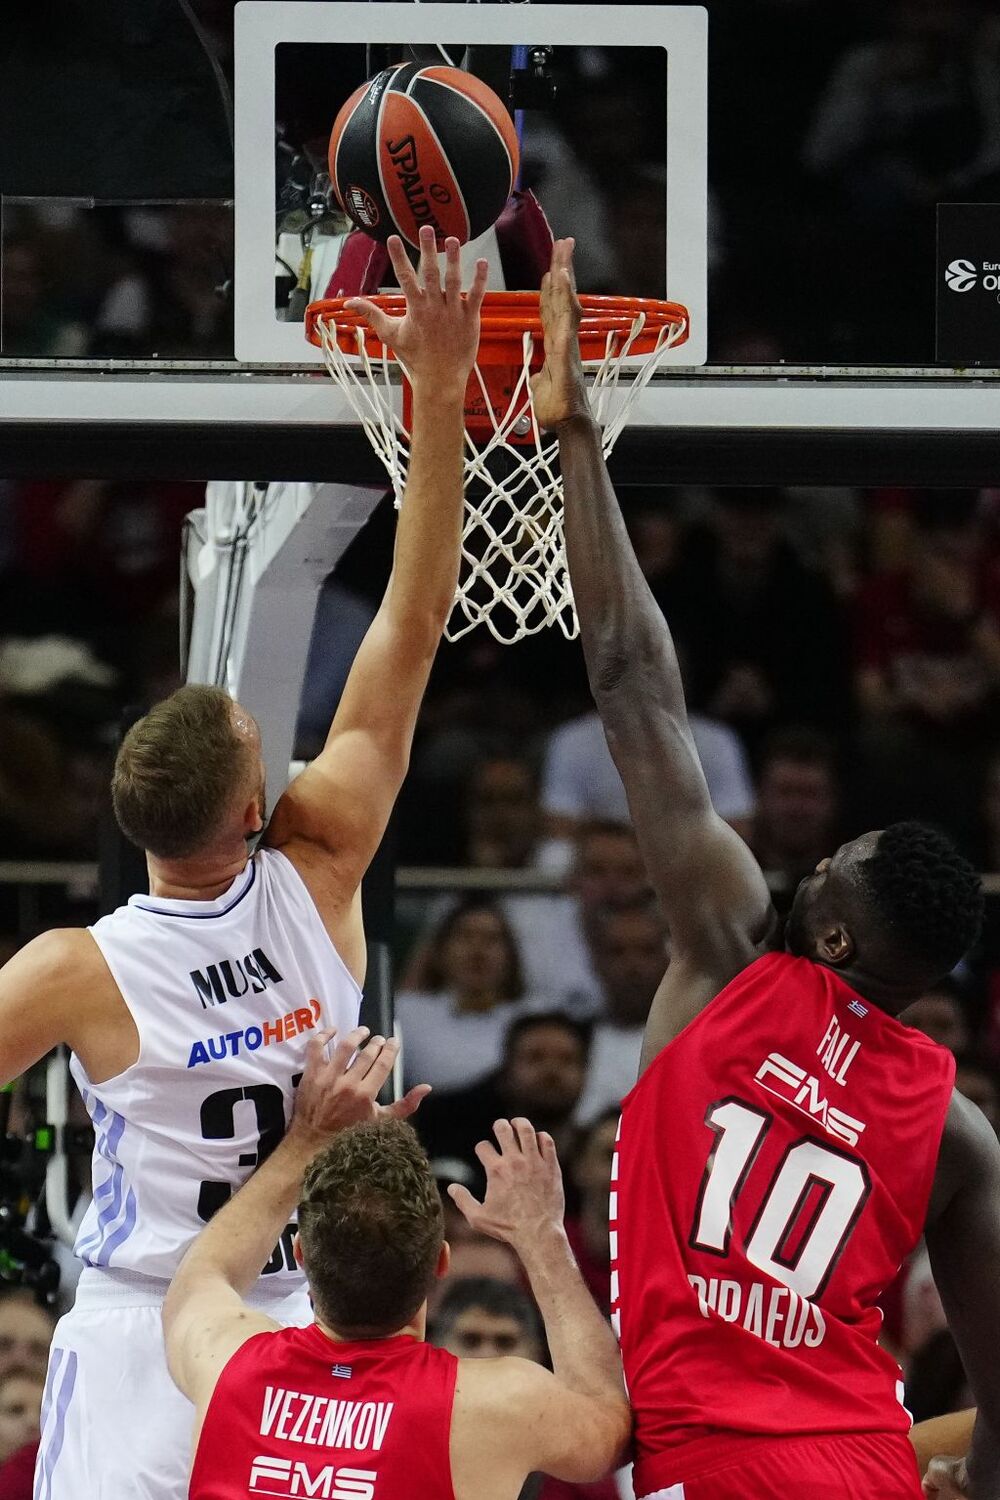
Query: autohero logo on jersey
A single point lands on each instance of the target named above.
(252, 1038)
(786, 1080)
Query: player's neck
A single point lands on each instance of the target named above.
(416, 1328)
(891, 998)
(203, 878)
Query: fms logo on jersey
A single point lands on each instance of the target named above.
(285, 1476)
(961, 275)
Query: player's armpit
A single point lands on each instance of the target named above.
(539, 1423)
(203, 1326)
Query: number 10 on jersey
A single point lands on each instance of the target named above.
(806, 1213)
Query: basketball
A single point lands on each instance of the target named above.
(421, 146)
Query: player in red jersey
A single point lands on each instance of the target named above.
(788, 1136)
(357, 1406)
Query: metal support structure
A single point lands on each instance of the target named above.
(256, 558)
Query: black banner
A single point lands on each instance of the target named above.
(968, 283)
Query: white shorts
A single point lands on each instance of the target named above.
(114, 1425)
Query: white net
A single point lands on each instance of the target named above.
(514, 578)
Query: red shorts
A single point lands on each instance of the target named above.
(841, 1467)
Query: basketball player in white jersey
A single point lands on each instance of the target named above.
(188, 1010)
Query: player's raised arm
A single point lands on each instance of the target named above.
(342, 803)
(713, 893)
(575, 1422)
(963, 1240)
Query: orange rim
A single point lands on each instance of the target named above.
(506, 317)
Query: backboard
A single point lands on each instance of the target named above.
(742, 159)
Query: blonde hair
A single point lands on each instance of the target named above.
(179, 771)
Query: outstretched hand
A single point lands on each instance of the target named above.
(524, 1188)
(437, 337)
(558, 391)
(343, 1089)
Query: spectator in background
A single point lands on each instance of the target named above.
(484, 1319)
(481, 1318)
(798, 803)
(553, 932)
(587, 1230)
(503, 819)
(763, 633)
(26, 1329)
(540, 1077)
(928, 668)
(20, 1410)
(580, 781)
(56, 705)
(469, 986)
(631, 953)
(940, 1014)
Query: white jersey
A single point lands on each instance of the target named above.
(225, 995)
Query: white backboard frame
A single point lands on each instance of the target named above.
(262, 25)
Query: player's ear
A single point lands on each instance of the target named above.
(297, 1252)
(443, 1261)
(836, 946)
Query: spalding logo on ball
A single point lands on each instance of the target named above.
(419, 146)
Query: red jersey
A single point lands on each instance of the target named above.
(773, 1171)
(295, 1413)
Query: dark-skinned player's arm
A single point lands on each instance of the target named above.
(711, 888)
(963, 1241)
(341, 804)
(205, 1319)
(573, 1422)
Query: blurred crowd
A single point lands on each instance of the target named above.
(841, 648)
(841, 651)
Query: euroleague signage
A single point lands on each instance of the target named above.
(968, 283)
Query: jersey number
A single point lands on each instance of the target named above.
(807, 1213)
(218, 1123)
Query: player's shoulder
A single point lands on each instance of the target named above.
(500, 1388)
(62, 955)
(969, 1154)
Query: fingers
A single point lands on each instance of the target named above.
(506, 1139)
(524, 1132)
(346, 1048)
(477, 291)
(487, 1154)
(452, 268)
(405, 274)
(547, 1147)
(402, 1109)
(375, 1061)
(430, 276)
(463, 1200)
(379, 321)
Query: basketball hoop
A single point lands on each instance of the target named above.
(514, 577)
